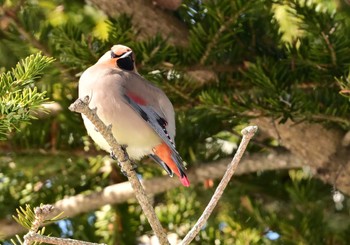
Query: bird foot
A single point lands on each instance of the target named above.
(133, 168)
(114, 157)
(112, 154)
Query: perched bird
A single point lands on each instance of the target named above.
(141, 115)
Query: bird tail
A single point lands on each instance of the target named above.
(172, 160)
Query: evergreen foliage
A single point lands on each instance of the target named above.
(19, 96)
(254, 71)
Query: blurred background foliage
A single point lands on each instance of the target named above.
(262, 58)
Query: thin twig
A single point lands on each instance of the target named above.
(81, 106)
(119, 193)
(248, 133)
(331, 48)
(31, 237)
(41, 214)
(214, 41)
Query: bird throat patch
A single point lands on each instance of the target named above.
(125, 63)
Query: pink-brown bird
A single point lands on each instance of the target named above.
(141, 115)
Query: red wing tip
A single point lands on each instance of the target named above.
(185, 181)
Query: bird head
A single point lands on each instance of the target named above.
(122, 56)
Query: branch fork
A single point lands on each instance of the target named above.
(82, 106)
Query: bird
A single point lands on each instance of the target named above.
(141, 115)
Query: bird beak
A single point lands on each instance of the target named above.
(127, 54)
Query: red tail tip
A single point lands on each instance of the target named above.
(185, 181)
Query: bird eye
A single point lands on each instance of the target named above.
(114, 55)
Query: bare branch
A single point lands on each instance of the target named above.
(120, 193)
(41, 214)
(31, 237)
(248, 133)
(81, 106)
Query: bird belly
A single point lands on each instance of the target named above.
(130, 131)
(105, 90)
(95, 135)
(138, 137)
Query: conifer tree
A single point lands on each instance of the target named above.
(283, 65)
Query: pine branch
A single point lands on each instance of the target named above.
(11, 15)
(223, 28)
(18, 94)
(344, 83)
(81, 106)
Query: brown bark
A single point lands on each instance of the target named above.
(317, 146)
(168, 4)
(148, 18)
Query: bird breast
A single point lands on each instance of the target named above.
(105, 87)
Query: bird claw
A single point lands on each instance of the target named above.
(114, 157)
(123, 171)
(109, 127)
(112, 154)
(133, 168)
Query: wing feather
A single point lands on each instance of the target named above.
(158, 124)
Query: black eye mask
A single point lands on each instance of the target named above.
(126, 63)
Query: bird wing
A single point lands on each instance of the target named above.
(158, 124)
